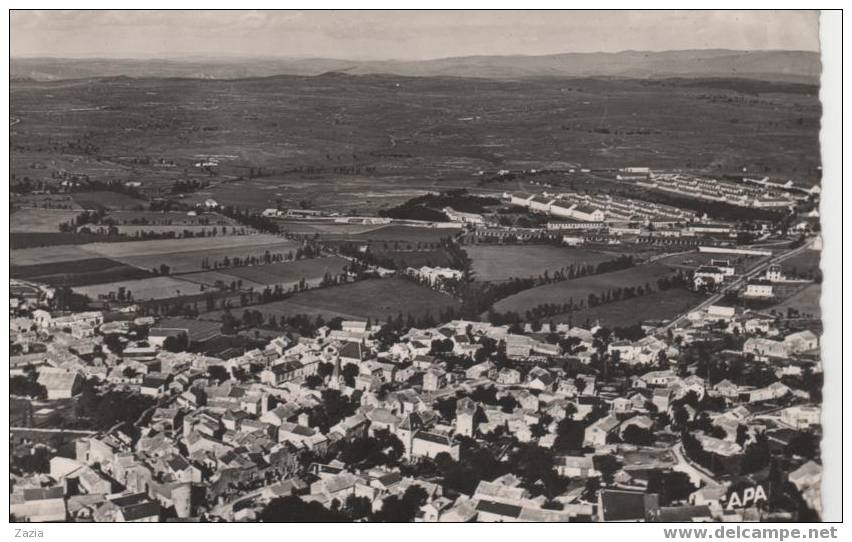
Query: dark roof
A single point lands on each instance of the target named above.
(627, 505)
(286, 367)
(43, 493)
(141, 510)
(390, 478)
(177, 463)
(351, 350)
(499, 508)
(432, 437)
(154, 381)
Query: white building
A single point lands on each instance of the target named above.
(801, 341)
(707, 275)
(758, 289)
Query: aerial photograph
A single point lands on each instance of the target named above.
(394, 266)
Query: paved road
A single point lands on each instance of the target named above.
(694, 472)
(737, 283)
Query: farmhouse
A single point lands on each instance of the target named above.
(709, 276)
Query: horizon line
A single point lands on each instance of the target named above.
(225, 56)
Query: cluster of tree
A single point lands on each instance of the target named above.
(86, 217)
(671, 486)
(185, 187)
(103, 411)
(459, 200)
(756, 455)
(37, 461)
(163, 270)
(303, 324)
(476, 463)
(394, 327)
(446, 254)
(428, 206)
(64, 298)
(27, 385)
(250, 218)
(294, 510)
(176, 343)
(414, 212)
(119, 187)
(144, 235)
(307, 251)
(382, 449)
(167, 204)
(333, 409)
(25, 185)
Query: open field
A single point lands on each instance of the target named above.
(78, 272)
(284, 273)
(199, 330)
(406, 235)
(171, 246)
(144, 289)
(190, 260)
(331, 140)
(22, 240)
(806, 301)
(49, 254)
(804, 264)
(326, 230)
(374, 298)
(31, 220)
(657, 306)
(497, 263)
(181, 255)
(579, 289)
(351, 195)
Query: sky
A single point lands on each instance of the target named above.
(404, 35)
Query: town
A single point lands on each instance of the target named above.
(133, 411)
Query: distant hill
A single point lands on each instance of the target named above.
(788, 66)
